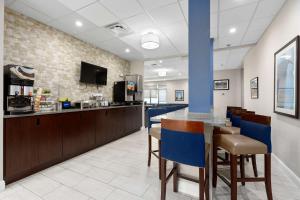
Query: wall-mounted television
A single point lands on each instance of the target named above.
(93, 74)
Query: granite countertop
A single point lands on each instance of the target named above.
(66, 111)
(184, 114)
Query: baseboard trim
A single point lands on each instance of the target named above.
(2, 185)
(290, 173)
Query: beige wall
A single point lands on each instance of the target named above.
(56, 56)
(260, 62)
(1, 92)
(171, 87)
(231, 97)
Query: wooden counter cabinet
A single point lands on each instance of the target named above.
(33, 143)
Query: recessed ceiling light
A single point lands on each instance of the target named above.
(179, 74)
(160, 61)
(78, 23)
(127, 50)
(232, 30)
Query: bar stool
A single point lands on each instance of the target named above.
(183, 142)
(154, 131)
(255, 139)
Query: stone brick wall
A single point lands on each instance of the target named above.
(57, 56)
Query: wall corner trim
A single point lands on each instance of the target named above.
(2, 185)
(289, 173)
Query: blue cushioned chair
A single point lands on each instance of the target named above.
(183, 142)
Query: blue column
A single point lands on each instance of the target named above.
(200, 57)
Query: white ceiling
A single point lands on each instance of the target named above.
(167, 18)
(175, 68)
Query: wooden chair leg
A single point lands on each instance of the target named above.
(149, 149)
(226, 156)
(201, 183)
(233, 175)
(159, 159)
(242, 167)
(163, 179)
(215, 165)
(247, 158)
(207, 181)
(175, 177)
(268, 176)
(253, 159)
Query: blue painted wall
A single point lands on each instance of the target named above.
(200, 56)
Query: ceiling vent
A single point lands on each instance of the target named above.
(119, 29)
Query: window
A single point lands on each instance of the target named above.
(155, 96)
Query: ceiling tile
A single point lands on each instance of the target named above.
(141, 24)
(76, 4)
(237, 15)
(268, 8)
(26, 10)
(260, 23)
(97, 14)
(8, 2)
(185, 8)
(167, 15)
(150, 4)
(229, 4)
(220, 59)
(236, 56)
(178, 34)
(253, 36)
(67, 24)
(225, 41)
(98, 34)
(123, 9)
(53, 8)
(240, 30)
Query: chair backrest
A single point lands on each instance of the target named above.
(183, 142)
(152, 112)
(230, 109)
(236, 116)
(257, 127)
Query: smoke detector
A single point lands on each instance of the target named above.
(119, 29)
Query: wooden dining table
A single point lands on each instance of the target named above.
(210, 121)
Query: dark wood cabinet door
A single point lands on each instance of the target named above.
(20, 154)
(102, 128)
(49, 139)
(87, 130)
(116, 119)
(69, 124)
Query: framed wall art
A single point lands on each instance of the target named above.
(179, 95)
(254, 88)
(221, 84)
(286, 79)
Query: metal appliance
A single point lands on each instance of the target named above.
(18, 89)
(130, 90)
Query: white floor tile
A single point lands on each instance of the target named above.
(65, 193)
(39, 184)
(122, 195)
(130, 185)
(94, 189)
(100, 174)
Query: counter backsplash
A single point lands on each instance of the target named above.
(57, 56)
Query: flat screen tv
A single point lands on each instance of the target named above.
(93, 74)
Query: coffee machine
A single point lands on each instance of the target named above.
(18, 89)
(130, 90)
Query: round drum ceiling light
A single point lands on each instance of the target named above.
(150, 41)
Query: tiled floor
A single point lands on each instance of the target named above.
(118, 171)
